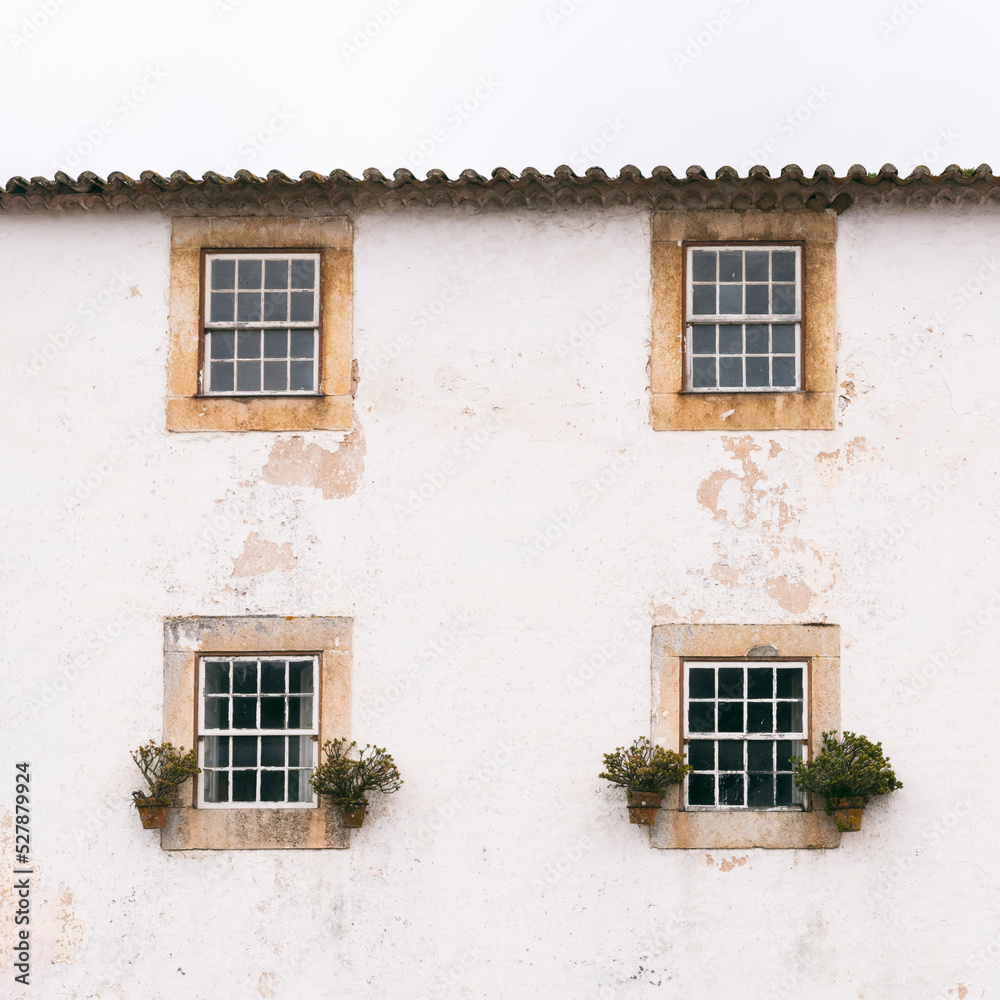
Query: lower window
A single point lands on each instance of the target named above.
(745, 726)
(257, 731)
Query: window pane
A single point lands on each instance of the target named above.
(701, 717)
(784, 790)
(222, 307)
(245, 678)
(703, 300)
(701, 755)
(223, 274)
(758, 372)
(730, 789)
(244, 751)
(248, 344)
(756, 338)
(298, 786)
(702, 339)
(300, 713)
(303, 273)
(701, 682)
(789, 682)
(216, 713)
(701, 790)
(730, 717)
(216, 786)
(272, 676)
(300, 375)
(300, 676)
(759, 717)
(761, 790)
(730, 339)
(244, 713)
(783, 338)
(787, 752)
(730, 682)
(756, 264)
(783, 371)
(272, 713)
(730, 755)
(731, 372)
(275, 343)
(760, 755)
(757, 304)
(248, 376)
(272, 751)
(302, 307)
(275, 273)
(250, 274)
(276, 306)
(730, 299)
(703, 370)
(244, 786)
(783, 265)
(216, 678)
(275, 376)
(248, 307)
(216, 751)
(783, 299)
(703, 265)
(731, 265)
(789, 717)
(223, 343)
(760, 682)
(272, 786)
(303, 344)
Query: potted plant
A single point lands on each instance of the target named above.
(164, 767)
(846, 773)
(345, 780)
(644, 771)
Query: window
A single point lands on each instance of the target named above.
(257, 695)
(260, 324)
(743, 702)
(743, 318)
(257, 730)
(744, 334)
(745, 726)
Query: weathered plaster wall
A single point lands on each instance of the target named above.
(504, 528)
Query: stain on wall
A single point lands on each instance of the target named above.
(335, 473)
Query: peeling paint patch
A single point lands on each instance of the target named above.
(728, 864)
(261, 556)
(662, 612)
(265, 985)
(723, 573)
(794, 597)
(336, 473)
(70, 934)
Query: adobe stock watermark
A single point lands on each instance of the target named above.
(258, 141)
(932, 152)
(607, 650)
(457, 115)
(599, 317)
(710, 30)
(786, 126)
(35, 22)
(368, 30)
(223, 8)
(898, 17)
(122, 107)
(562, 12)
(103, 469)
(922, 503)
(588, 154)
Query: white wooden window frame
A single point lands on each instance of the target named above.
(700, 319)
(203, 732)
(796, 737)
(222, 325)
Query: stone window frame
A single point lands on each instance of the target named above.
(812, 407)
(720, 829)
(185, 641)
(190, 239)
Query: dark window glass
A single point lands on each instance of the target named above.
(272, 676)
(275, 376)
(702, 339)
(248, 344)
(759, 718)
(244, 713)
(756, 263)
(789, 682)
(731, 265)
(730, 717)
(216, 713)
(701, 717)
(783, 299)
(300, 375)
(730, 755)
(248, 307)
(272, 713)
(758, 372)
(245, 678)
(222, 307)
(275, 343)
(244, 786)
(244, 751)
(216, 751)
(701, 790)
(303, 344)
(756, 338)
(783, 338)
(302, 306)
(275, 273)
(223, 273)
(223, 343)
(216, 678)
(730, 339)
(703, 370)
(783, 371)
(217, 786)
(294, 783)
(272, 786)
(272, 751)
(786, 753)
(789, 717)
(730, 682)
(760, 790)
(784, 791)
(248, 376)
(299, 713)
(250, 274)
(731, 372)
(701, 755)
(703, 300)
(701, 682)
(757, 300)
(760, 682)
(703, 265)
(275, 306)
(300, 676)
(783, 265)
(760, 755)
(303, 273)
(730, 789)
(730, 299)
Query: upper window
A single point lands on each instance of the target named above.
(262, 324)
(745, 726)
(743, 319)
(256, 731)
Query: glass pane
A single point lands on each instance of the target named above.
(216, 751)
(730, 789)
(758, 372)
(760, 755)
(759, 717)
(303, 273)
(730, 682)
(272, 713)
(248, 344)
(250, 273)
(223, 343)
(701, 790)
(783, 371)
(275, 343)
(756, 264)
(787, 752)
(300, 676)
(703, 373)
(222, 307)
(248, 307)
(216, 678)
(302, 307)
(300, 713)
(730, 299)
(275, 376)
(276, 306)
(303, 344)
(784, 790)
(756, 338)
(275, 273)
(783, 299)
(703, 300)
(730, 755)
(216, 786)
(701, 682)
(761, 790)
(245, 678)
(272, 786)
(701, 755)
(760, 682)
(701, 717)
(244, 713)
(300, 376)
(272, 676)
(272, 751)
(730, 339)
(730, 717)
(216, 713)
(783, 338)
(703, 265)
(789, 682)
(244, 751)
(731, 372)
(702, 339)
(783, 265)
(789, 717)
(244, 786)
(757, 304)
(248, 376)
(731, 265)
(223, 273)
(298, 786)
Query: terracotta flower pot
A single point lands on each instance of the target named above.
(847, 812)
(153, 815)
(353, 816)
(643, 807)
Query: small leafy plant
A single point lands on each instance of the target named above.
(164, 767)
(346, 780)
(644, 767)
(853, 767)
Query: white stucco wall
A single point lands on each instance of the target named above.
(504, 867)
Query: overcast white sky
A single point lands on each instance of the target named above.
(300, 85)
